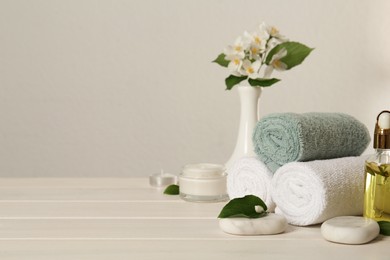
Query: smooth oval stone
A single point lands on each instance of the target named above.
(268, 225)
(350, 230)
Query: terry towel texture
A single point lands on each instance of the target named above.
(249, 176)
(288, 137)
(308, 193)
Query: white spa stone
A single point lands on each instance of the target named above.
(268, 225)
(350, 230)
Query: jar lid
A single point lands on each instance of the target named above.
(203, 170)
(382, 130)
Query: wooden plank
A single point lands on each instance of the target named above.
(21, 183)
(109, 209)
(83, 189)
(189, 250)
(134, 229)
(84, 194)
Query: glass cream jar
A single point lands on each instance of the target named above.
(203, 182)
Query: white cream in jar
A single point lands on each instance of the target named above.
(203, 182)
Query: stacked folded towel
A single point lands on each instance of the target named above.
(249, 176)
(288, 137)
(308, 193)
(315, 157)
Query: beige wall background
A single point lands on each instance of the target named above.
(124, 88)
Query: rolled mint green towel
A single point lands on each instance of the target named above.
(288, 137)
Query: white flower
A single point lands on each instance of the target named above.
(251, 69)
(259, 209)
(237, 49)
(258, 41)
(276, 63)
(272, 43)
(235, 65)
(273, 32)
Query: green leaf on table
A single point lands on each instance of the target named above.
(232, 80)
(262, 82)
(249, 206)
(172, 190)
(384, 227)
(221, 60)
(296, 53)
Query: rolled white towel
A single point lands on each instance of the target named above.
(308, 193)
(250, 176)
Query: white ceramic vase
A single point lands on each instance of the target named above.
(249, 100)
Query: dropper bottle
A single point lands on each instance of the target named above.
(377, 177)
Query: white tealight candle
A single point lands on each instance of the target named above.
(162, 179)
(203, 182)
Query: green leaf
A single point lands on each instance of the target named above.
(296, 53)
(375, 169)
(172, 190)
(383, 170)
(243, 207)
(262, 82)
(221, 60)
(384, 227)
(232, 80)
(369, 169)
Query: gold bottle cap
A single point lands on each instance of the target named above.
(382, 131)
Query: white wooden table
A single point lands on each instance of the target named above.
(127, 219)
